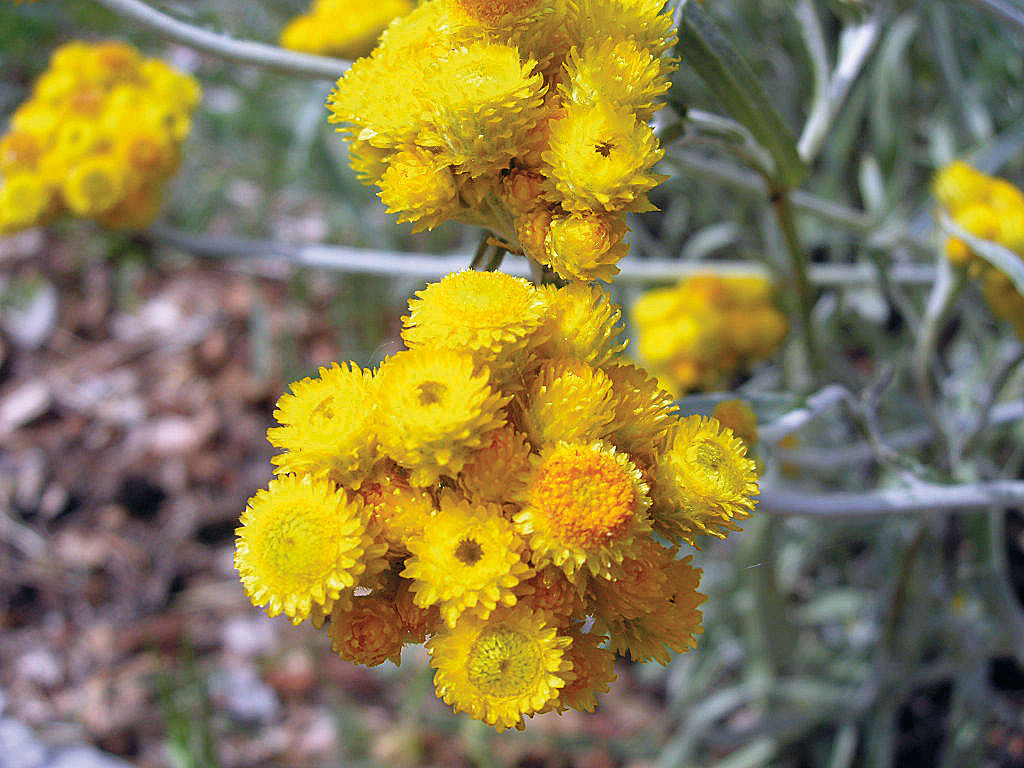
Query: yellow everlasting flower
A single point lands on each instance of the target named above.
(618, 72)
(585, 509)
(569, 401)
(468, 559)
(550, 591)
(397, 508)
(500, 669)
(435, 409)
(648, 22)
(328, 425)
(644, 412)
(585, 246)
(581, 322)
(600, 159)
(24, 199)
(367, 630)
(301, 543)
(497, 469)
(593, 671)
(94, 185)
(737, 415)
(492, 315)
(346, 28)
(705, 479)
(484, 102)
(639, 586)
(419, 186)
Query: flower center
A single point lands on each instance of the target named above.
(503, 663)
(587, 497)
(604, 148)
(712, 463)
(469, 552)
(431, 392)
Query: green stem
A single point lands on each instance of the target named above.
(798, 268)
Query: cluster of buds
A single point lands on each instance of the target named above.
(346, 28)
(508, 489)
(992, 209)
(98, 138)
(700, 333)
(526, 117)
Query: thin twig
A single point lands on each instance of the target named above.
(798, 269)
(243, 51)
(860, 41)
(821, 401)
(372, 261)
(922, 498)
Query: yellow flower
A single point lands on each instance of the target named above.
(302, 543)
(582, 322)
(485, 100)
(346, 28)
(367, 630)
(94, 185)
(20, 151)
(435, 409)
(24, 200)
(419, 186)
(737, 415)
(644, 412)
(647, 22)
(704, 480)
(600, 159)
(328, 425)
(469, 558)
(671, 627)
(593, 671)
(585, 508)
(585, 246)
(497, 469)
(550, 591)
(398, 509)
(639, 587)
(491, 315)
(569, 401)
(618, 72)
(500, 669)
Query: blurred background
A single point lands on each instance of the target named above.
(137, 381)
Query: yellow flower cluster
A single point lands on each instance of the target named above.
(346, 28)
(507, 489)
(98, 138)
(992, 209)
(527, 117)
(698, 334)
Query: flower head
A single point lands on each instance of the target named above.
(367, 630)
(569, 400)
(435, 409)
(581, 322)
(301, 542)
(499, 669)
(584, 508)
(419, 186)
(585, 246)
(468, 558)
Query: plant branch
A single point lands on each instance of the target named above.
(999, 380)
(242, 51)
(798, 268)
(922, 498)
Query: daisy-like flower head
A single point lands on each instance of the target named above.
(582, 322)
(367, 630)
(593, 671)
(24, 199)
(618, 72)
(491, 315)
(550, 591)
(419, 186)
(397, 508)
(644, 412)
(435, 409)
(639, 588)
(301, 543)
(671, 627)
(468, 559)
(737, 415)
(94, 185)
(327, 425)
(499, 669)
(600, 159)
(495, 470)
(569, 401)
(585, 509)
(647, 22)
(485, 101)
(704, 481)
(586, 246)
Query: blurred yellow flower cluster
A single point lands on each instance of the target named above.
(992, 209)
(526, 117)
(98, 138)
(508, 489)
(347, 28)
(698, 334)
